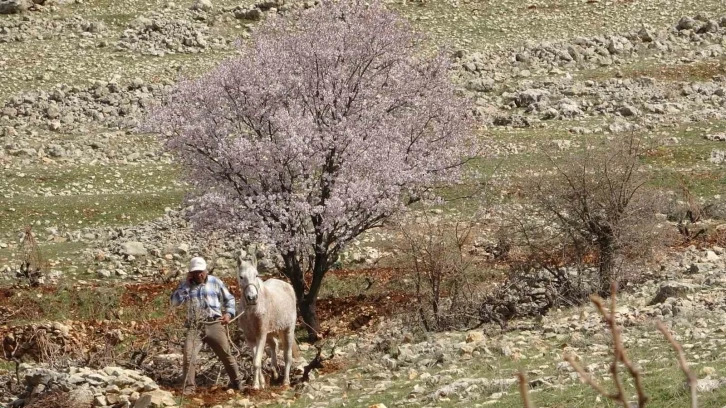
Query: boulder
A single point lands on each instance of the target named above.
(686, 23)
(629, 110)
(81, 397)
(133, 248)
(14, 6)
(474, 337)
(706, 385)
(530, 96)
(155, 399)
(672, 290)
(248, 14)
(716, 137)
(202, 5)
(718, 156)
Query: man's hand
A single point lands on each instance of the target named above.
(226, 318)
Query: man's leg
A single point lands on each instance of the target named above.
(216, 337)
(192, 345)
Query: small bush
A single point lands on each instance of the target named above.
(591, 208)
(433, 253)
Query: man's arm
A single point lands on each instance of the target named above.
(181, 294)
(229, 305)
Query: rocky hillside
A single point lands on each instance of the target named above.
(106, 204)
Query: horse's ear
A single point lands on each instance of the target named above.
(239, 259)
(252, 251)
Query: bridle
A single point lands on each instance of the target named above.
(256, 284)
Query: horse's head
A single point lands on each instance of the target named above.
(247, 277)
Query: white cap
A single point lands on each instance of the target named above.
(197, 264)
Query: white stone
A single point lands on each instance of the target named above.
(133, 248)
(203, 5)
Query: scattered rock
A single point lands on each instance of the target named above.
(133, 248)
(716, 137)
(97, 387)
(672, 290)
(718, 156)
(14, 6)
(202, 5)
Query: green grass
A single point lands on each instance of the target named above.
(662, 378)
(670, 163)
(701, 183)
(83, 303)
(94, 64)
(86, 210)
(99, 196)
(342, 286)
(703, 70)
(60, 178)
(483, 24)
(67, 302)
(61, 255)
(6, 365)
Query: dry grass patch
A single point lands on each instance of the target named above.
(703, 70)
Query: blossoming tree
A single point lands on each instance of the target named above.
(330, 121)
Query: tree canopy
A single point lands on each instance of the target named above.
(331, 120)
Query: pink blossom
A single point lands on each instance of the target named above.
(331, 120)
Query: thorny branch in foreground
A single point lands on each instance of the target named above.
(524, 389)
(619, 356)
(692, 380)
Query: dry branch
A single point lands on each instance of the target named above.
(524, 390)
(619, 357)
(692, 380)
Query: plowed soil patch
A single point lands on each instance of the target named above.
(349, 314)
(217, 395)
(139, 294)
(383, 274)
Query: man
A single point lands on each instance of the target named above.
(210, 307)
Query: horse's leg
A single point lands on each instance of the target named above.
(273, 356)
(259, 381)
(289, 342)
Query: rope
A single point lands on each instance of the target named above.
(228, 323)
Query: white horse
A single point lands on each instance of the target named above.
(269, 313)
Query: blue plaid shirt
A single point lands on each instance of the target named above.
(206, 300)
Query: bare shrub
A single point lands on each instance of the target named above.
(591, 210)
(433, 252)
(33, 267)
(688, 214)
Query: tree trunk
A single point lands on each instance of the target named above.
(307, 296)
(308, 312)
